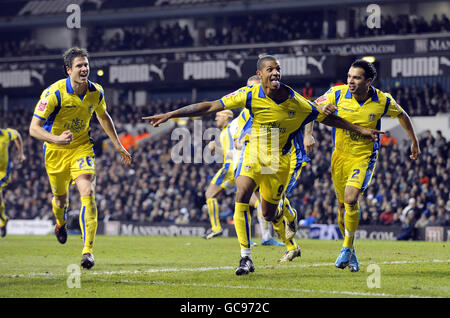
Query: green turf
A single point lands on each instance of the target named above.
(189, 267)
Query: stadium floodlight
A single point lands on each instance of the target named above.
(100, 72)
(369, 59)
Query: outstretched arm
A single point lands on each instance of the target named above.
(108, 126)
(338, 122)
(193, 110)
(406, 123)
(19, 144)
(308, 139)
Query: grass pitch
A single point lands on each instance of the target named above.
(191, 267)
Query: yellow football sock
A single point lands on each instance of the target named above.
(59, 213)
(288, 213)
(351, 221)
(3, 216)
(242, 224)
(341, 222)
(257, 203)
(88, 222)
(279, 226)
(213, 211)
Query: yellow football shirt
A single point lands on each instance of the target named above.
(367, 114)
(273, 124)
(226, 143)
(62, 110)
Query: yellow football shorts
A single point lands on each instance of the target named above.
(294, 175)
(271, 179)
(65, 165)
(5, 175)
(224, 178)
(351, 171)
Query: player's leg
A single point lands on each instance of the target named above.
(272, 189)
(245, 187)
(264, 226)
(213, 210)
(351, 219)
(289, 213)
(82, 171)
(3, 217)
(341, 212)
(359, 176)
(58, 172)
(351, 222)
(60, 205)
(339, 174)
(88, 217)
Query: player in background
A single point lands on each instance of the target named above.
(224, 178)
(278, 113)
(354, 156)
(62, 121)
(6, 137)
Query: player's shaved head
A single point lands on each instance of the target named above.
(263, 59)
(253, 80)
(227, 112)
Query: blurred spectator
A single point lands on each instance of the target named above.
(422, 222)
(387, 140)
(408, 229)
(387, 216)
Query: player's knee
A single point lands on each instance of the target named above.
(61, 200)
(243, 195)
(351, 198)
(209, 194)
(269, 217)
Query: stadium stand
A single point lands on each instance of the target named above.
(234, 30)
(161, 192)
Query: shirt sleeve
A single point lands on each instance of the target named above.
(101, 106)
(393, 109)
(236, 99)
(46, 104)
(12, 133)
(328, 98)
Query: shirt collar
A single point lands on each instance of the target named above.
(69, 88)
(374, 94)
(261, 93)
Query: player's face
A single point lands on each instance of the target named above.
(221, 120)
(356, 81)
(270, 74)
(79, 71)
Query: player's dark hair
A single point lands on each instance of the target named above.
(369, 69)
(263, 59)
(72, 53)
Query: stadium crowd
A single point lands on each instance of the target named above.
(156, 189)
(241, 29)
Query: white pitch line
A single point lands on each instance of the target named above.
(49, 275)
(308, 291)
(202, 269)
